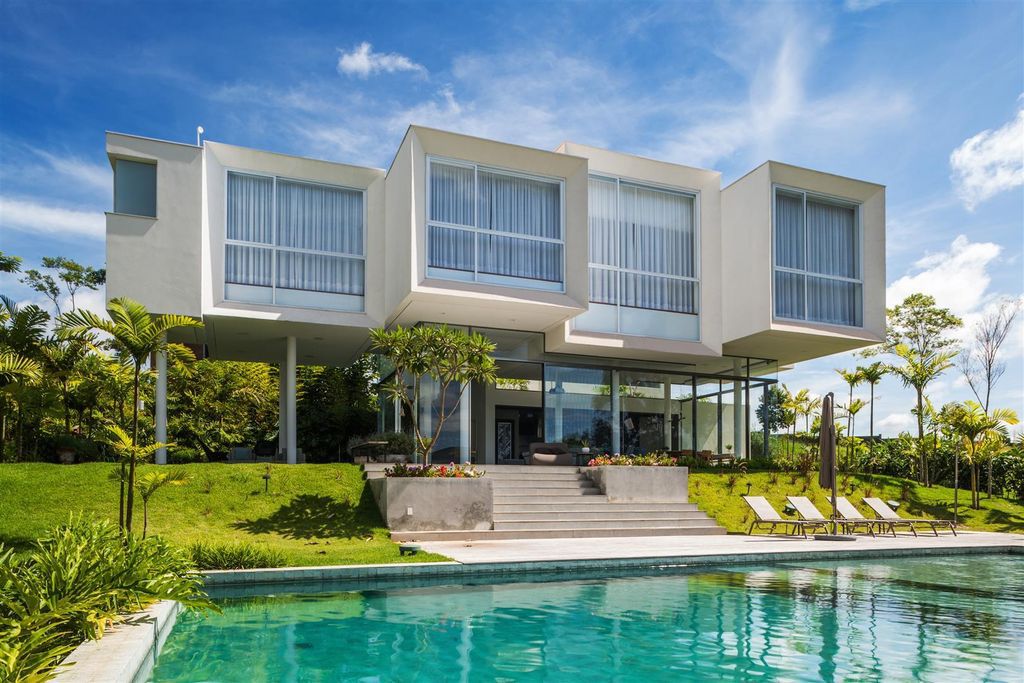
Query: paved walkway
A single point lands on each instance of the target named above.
(548, 549)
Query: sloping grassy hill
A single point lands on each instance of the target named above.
(720, 496)
(313, 514)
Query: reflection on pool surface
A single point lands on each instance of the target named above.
(955, 618)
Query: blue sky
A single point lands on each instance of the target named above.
(922, 97)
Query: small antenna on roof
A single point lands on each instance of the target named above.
(199, 136)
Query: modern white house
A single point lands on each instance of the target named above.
(636, 304)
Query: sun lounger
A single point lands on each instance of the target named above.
(764, 514)
(852, 519)
(889, 515)
(810, 514)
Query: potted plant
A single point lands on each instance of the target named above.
(584, 446)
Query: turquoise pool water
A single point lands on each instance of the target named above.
(931, 619)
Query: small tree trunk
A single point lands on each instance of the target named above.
(989, 487)
(145, 517)
(920, 438)
(871, 425)
(130, 500)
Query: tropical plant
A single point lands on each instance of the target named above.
(852, 379)
(207, 555)
(336, 405)
(974, 426)
(771, 413)
(871, 375)
(918, 371)
(136, 335)
(450, 358)
(148, 483)
(81, 578)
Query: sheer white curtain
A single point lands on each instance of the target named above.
(821, 241)
(642, 234)
(509, 210)
(309, 218)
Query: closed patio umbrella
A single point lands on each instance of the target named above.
(829, 466)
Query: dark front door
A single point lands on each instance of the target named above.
(504, 439)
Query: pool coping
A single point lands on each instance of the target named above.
(128, 651)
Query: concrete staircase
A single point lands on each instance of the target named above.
(562, 502)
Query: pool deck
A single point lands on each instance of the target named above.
(681, 547)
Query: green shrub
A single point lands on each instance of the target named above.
(185, 456)
(81, 578)
(234, 556)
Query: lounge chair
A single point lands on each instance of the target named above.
(889, 515)
(852, 518)
(764, 513)
(810, 514)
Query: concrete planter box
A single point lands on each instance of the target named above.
(627, 484)
(434, 504)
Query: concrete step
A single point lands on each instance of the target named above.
(534, 476)
(569, 515)
(542, 495)
(496, 535)
(590, 505)
(501, 484)
(661, 523)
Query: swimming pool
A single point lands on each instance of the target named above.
(958, 618)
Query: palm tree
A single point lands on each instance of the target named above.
(917, 371)
(872, 375)
(136, 335)
(853, 379)
(151, 482)
(790, 408)
(974, 426)
(22, 329)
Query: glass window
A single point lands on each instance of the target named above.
(135, 188)
(578, 407)
(301, 241)
(817, 259)
(492, 226)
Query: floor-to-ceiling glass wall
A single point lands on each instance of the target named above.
(578, 407)
(516, 402)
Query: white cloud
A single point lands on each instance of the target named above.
(363, 62)
(958, 278)
(862, 5)
(990, 162)
(33, 217)
(896, 422)
(87, 175)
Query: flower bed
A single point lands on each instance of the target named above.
(646, 460)
(450, 471)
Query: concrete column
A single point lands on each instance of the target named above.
(737, 409)
(667, 426)
(282, 410)
(290, 353)
(766, 450)
(160, 407)
(616, 414)
(465, 426)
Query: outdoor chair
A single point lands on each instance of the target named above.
(889, 515)
(810, 514)
(852, 518)
(764, 514)
(550, 454)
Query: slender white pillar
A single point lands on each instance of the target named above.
(465, 426)
(616, 414)
(737, 410)
(160, 407)
(282, 409)
(290, 391)
(667, 420)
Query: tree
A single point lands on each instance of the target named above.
(980, 363)
(920, 324)
(22, 333)
(136, 335)
(918, 371)
(791, 407)
(772, 413)
(449, 357)
(151, 482)
(852, 379)
(974, 426)
(872, 375)
(72, 274)
(9, 264)
(336, 404)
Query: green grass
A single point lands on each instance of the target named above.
(313, 514)
(713, 494)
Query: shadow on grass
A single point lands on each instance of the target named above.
(1005, 520)
(309, 516)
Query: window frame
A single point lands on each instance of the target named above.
(156, 185)
(273, 247)
(859, 226)
(621, 270)
(475, 275)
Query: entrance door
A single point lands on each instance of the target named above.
(504, 440)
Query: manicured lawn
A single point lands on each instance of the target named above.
(313, 514)
(714, 495)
